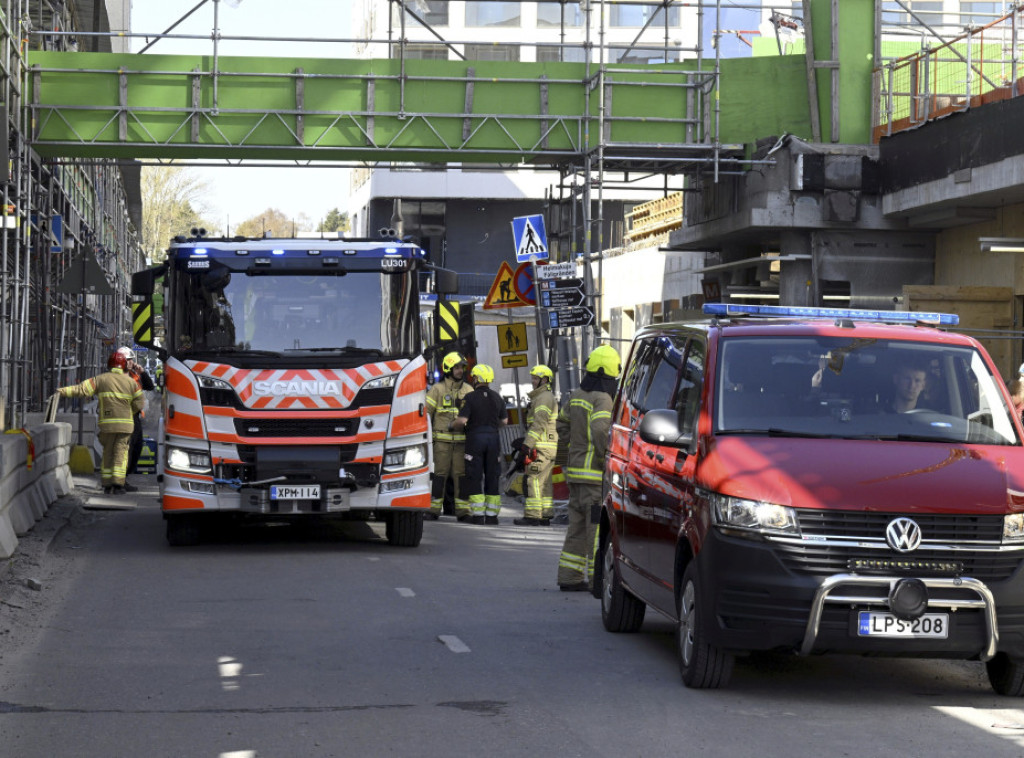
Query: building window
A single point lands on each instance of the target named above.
(551, 15)
(433, 12)
(979, 14)
(486, 13)
(554, 54)
(492, 53)
(425, 51)
(638, 15)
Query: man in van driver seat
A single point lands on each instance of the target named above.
(909, 381)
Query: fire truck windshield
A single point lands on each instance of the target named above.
(223, 312)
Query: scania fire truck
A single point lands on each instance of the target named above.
(294, 381)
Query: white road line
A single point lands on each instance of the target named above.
(373, 558)
(453, 643)
(405, 592)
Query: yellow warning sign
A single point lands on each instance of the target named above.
(514, 361)
(512, 337)
(503, 292)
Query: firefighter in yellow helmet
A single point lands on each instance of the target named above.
(482, 415)
(586, 421)
(540, 446)
(444, 401)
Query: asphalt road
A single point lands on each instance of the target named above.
(278, 642)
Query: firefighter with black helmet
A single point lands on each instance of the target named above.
(444, 401)
(482, 415)
(586, 421)
(540, 446)
(120, 398)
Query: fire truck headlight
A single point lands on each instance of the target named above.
(1013, 527)
(210, 383)
(381, 382)
(405, 458)
(190, 461)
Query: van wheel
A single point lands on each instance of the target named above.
(404, 528)
(702, 665)
(1006, 675)
(621, 611)
(183, 530)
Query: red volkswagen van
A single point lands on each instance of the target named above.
(814, 481)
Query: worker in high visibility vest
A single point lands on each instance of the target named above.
(586, 421)
(444, 401)
(120, 399)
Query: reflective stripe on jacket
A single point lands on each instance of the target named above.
(586, 421)
(541, 417)
(120, 397)
(444, 401)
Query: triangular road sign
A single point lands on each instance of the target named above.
(503, 292)
(85, 275)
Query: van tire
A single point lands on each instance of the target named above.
(621, 611)
(404, 528)
(702, 665)
(1006, 675)
(183, 530)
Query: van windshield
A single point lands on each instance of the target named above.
(859, 389)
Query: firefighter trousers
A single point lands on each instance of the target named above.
(576, 563)
(114, 466)
(539, 502)
(483, 470)
(449, 463)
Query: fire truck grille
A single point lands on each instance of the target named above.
(296, 427)
(951, 545)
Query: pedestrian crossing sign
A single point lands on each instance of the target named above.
(531, 239)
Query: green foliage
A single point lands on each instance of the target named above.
(173, 202)
(273, 223)
(334, 221)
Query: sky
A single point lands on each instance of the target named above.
(237, 193)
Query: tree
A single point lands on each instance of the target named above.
(334, 221)
(274, 223)
(173, 202)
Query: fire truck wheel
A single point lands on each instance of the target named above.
(702, 665)
(1006, 675)
(182, 530)
(404, 528)
(620, 611)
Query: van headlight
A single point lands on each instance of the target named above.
(1013, 527)
(754, 515)
(405, 458)
(189, 461)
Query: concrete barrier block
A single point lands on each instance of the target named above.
(8, 539)
(13, 450)
(37, 504)
(64, 482)
(45, 485)
(20, 512)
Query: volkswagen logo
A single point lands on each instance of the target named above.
(903, 535)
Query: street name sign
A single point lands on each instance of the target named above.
(569, 317)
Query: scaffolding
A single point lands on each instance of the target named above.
(52, 213)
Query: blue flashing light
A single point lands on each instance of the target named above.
(390, 250)
(199, 251)
(856, 314)
(277, 252)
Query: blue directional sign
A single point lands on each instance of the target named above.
(530, 237)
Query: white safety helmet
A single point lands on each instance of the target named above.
(127, 352)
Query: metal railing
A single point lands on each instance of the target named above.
(980, 66)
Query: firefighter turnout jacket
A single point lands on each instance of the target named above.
(585, 421)
(444, 401)
(120, 397)
(541, 417)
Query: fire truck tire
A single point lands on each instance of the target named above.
(1006, 675)
(182, 530)
(620, 610)
(702, 665)
(404, 528)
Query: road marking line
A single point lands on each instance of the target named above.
(405, 592)
(453, 643)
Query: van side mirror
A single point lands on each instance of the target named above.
(661, 427)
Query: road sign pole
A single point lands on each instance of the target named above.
(538, 313)
(515, 380)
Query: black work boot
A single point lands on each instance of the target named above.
(526, 521)
(479, 519)
(491, 520)
(129, 487)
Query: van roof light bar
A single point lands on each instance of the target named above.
(796, 311)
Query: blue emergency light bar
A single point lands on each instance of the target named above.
(287, 249)
(856, 314)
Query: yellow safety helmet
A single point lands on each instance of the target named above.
(604, 359)
(542, 371)
(452, 360)
(483, 373)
